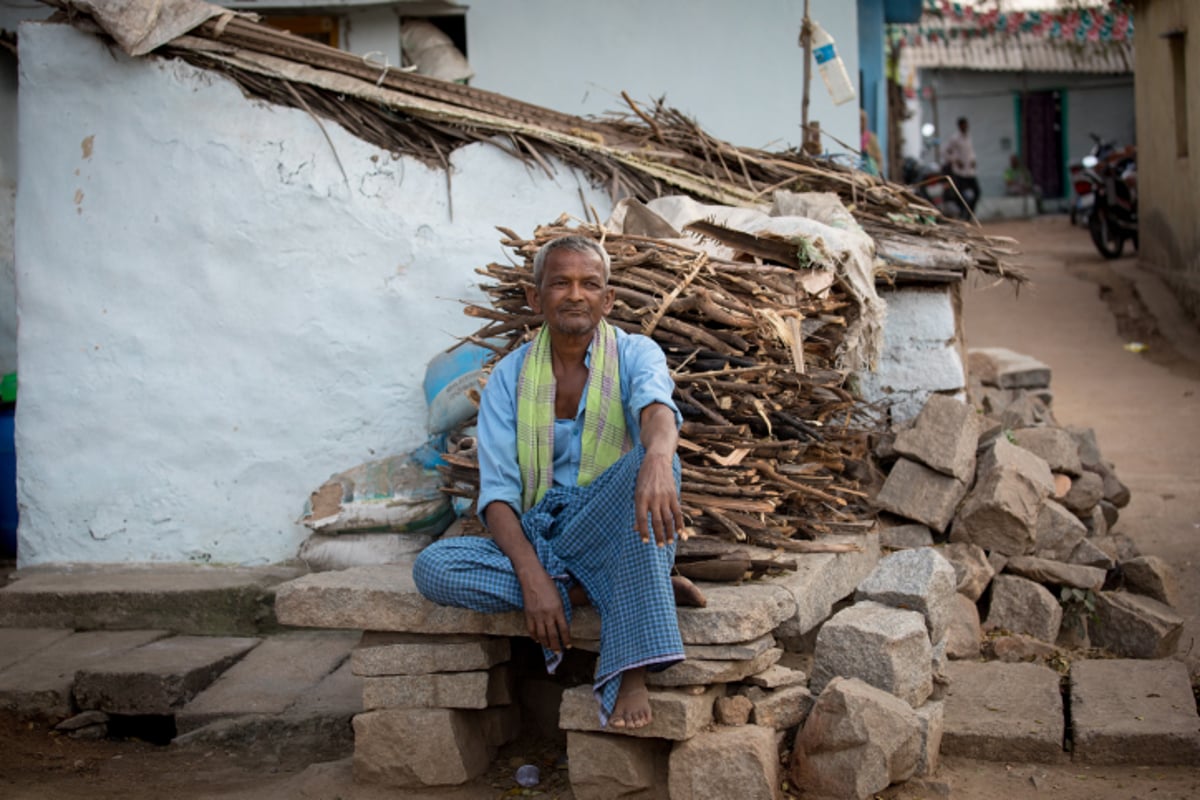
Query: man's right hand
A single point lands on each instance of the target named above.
(545, 620)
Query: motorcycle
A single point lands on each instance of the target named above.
(1084, 180)
(1113, 219)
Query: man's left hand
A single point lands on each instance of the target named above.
(656, 501)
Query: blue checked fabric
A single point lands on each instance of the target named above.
(584, 534)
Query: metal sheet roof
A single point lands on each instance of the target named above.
(1020, 52)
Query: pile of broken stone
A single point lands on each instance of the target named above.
(1027, 511)
(993, 505)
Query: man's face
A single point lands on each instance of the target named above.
(573, 294)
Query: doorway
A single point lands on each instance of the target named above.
(1041, 124)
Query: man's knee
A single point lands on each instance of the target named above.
(429, 571)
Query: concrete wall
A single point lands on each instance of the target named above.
(212, 319)
(735, 67)
(922, 352)
(1168, 208)
(1100, 104)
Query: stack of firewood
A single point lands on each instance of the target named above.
(773, 447)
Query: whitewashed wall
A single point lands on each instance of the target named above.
(735, 67)
(212, 320)
(921, 352)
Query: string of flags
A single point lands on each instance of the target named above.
(955, 21)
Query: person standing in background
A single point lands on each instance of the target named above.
(960, 161)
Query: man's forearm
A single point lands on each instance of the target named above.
(545, 618)
(510, 538)
(660, 436)
(656, 497)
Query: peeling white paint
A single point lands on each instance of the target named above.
(213, 318)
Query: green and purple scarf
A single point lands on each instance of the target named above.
(603, 422)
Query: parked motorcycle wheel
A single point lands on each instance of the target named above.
(1108, 240)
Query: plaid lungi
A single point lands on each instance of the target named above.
(581, 534)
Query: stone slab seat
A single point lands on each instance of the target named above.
(385, 598)
(193, 599)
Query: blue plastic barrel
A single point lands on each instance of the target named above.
(8, 467)
(8, 484)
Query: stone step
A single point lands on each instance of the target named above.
(822, 579)
(1007, 369)
(42, 682)
(316, 727)
(419, 748)
(1003, 712)
(415, 654)
(476, 689)
(384, 598)
(1134, 712)
(677, 715)
(18, 644)
(182, 598)
(159, 677)
(270, 679)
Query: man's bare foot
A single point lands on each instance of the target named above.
(632, 709)
(686, 593)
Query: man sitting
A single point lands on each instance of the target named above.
(1018, 182)
(575, 513)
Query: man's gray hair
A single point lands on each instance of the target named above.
(576, 244)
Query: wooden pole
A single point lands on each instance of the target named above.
(806, 43)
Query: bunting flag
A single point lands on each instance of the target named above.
(951, 21)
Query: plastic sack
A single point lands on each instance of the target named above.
(432, 52)
(449, 377)
(397, 494)
(322, 553)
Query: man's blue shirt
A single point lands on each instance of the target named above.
(645, 379)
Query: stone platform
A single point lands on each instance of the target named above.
(434, 680)
(423, 696)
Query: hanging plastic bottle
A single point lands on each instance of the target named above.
(830, 65)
